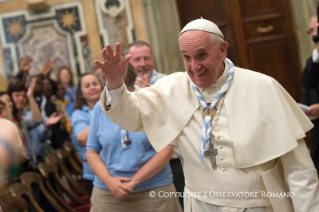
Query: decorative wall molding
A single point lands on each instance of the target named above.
(115, 22)
(59, 33)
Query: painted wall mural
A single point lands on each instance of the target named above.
(115, 22)
(59, 33)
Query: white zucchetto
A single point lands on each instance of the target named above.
(202, 25)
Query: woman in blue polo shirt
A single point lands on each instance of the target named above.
(127, 168)
(87, 94)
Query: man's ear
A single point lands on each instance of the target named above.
(223, 50)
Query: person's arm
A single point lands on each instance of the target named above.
(25, 65)
(53, 119)
(152, 167)
(115, 184)
(313, 110)
(48, 66)
(82, 136)
(80, 126)
(36, 114)
(302, 178)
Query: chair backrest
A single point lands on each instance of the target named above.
(30, 178)
(48, 171)
(71, 149)
(60, 163)
(11, 203)
(20, 190)
(68, 158)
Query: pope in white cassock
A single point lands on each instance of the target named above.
(240, 134)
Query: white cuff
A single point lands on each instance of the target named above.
(315, 56)
(113, 96)
(305, 186)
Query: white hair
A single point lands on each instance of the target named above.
(214, 37)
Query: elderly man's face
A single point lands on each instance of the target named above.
(202, 58)
(142, 60)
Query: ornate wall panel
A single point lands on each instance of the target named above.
(59, 33)
(115, 22)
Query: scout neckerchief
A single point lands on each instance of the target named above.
(210, 110)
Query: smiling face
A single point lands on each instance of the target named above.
(203, 58)
(90, 88)
(19, 99)
(142, 60)
(65, 77)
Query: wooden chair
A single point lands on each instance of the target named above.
(69, 161)
(11, 203)
(50, 171)
(56, 201)
(23, 190)
(76, 185)
(71, 149)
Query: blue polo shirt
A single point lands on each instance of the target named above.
(80, 120)
(105, 137)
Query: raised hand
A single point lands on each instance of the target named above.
(25, 63)
(31, 87)
(142, 82)
(113, 66)
(48, 66)
(117, 187)
(53, 119)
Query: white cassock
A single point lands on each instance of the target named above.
(258, 132)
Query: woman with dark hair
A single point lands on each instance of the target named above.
(20, 99)
(65, 78)
(27, 115)
(87, 94)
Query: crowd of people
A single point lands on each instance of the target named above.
(48, 112)
(140, 132)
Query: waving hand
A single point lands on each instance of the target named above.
(113, 66)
